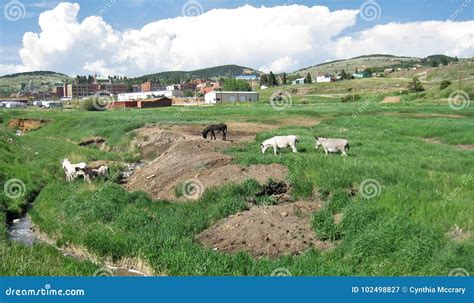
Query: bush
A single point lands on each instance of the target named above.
(444, 84)
(87, 104)
(415, 85)
(350, 98)
(95, 103)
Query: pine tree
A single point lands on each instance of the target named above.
(284, 79)
(272, 81)
(264, 80)
(415, 85)
(308, 78)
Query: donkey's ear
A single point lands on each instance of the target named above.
(315, 137)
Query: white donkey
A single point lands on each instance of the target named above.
(280, 142)
(333, 145)
(71, 169)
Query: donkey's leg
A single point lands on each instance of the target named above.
(293, 148)
(275, 150)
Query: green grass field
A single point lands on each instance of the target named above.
(402, 231)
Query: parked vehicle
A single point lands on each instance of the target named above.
(52, 104)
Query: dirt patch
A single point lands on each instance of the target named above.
(438, 116)
(337, 218)
(181, 156)
(26, 125)
(266, 231)
(465, 146)
(391, 100)
(456, 234)
(432, 140)
(458, 146)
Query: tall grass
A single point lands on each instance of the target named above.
(402, 231)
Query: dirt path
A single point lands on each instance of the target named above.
(183, 164)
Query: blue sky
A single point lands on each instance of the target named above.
(134, 14)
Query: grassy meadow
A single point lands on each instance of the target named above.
(403, 230)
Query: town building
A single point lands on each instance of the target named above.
(323, 78)
(227, 96)
(298, 81)
(148, 103)
(247, 77)
(150, 86)
(150, 95)
(82, 90)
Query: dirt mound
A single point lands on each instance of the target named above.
(26, 125)
(184, 157)
(266, 231)
(391, 100)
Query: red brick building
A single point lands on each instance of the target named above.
(148, 103)
(151, 86)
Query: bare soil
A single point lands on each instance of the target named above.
(266, 231)
(465, 146)
(391, 100)
(456, 234)
(180, 155)
(26, 125)
(458, 146)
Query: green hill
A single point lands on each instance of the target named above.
(31, 81)
(378, 61)
(207, 73)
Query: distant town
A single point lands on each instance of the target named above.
(123, 92)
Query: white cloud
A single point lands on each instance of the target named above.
(281, 38)
(280, 65)
(411, 39)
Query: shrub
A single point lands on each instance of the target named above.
(444, 84)
(350, 98)
(415, 85)
(87, 104)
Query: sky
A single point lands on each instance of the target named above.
(136, 37)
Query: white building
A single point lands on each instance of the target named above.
(10, 104)
(172, 87)
(323, 79)
(149, 95)
(298, 81)
(221, 97)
